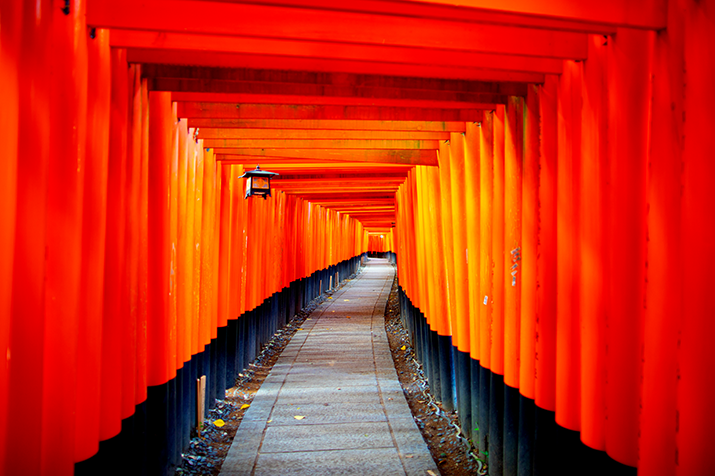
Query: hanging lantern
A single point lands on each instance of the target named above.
(259, 182)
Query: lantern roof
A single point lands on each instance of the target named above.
(257, 172)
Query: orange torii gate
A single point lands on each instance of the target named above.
(545, 165)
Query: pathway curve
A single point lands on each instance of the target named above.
(337, 374)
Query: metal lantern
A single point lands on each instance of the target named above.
(259, 182)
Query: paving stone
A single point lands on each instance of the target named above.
(280, 439)
(321, 413)
(350, 394)
(342, 462)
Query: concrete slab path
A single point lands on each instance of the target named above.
(337, 374)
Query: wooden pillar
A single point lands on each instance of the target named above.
(512, 261)
(65, 188)
(629, 85)
(593, 219)
(497, 323)
(94, 227)
(160, 128)
(545, 365)
(27, 308)
(568, 354)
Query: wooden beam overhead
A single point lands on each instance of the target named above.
(318, 134)
(487, 99)
(282, 111)
(336, 176)
(329, 125)
(407, 157)
(468, 72)
(567, 15)
(343, 185)
(645, 14)
(224, 18)
(332, 51)
(301, 83)
(353, 196)
(320, 144)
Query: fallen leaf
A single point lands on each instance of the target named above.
(403, 347)
(330, 298)
(346, 300)
(300, 328)
(219, 423)
(244, 406)
(409, 456)
(269, 421)
(347, 317)
(431, 473)
(298, 417)
(308, 319)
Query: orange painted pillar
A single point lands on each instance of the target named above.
(529, 245)
(65, 187)
(462, 225)
(593, 187)
(183, 269)
(441, 310)
(513, 178)
(94, 226)
(545, 365)
(10, 62)
(251, 263)
(235, 195)
(173, 329)
(696, 370)
(629, 77)
(187, 273)
(445, 262)
(664, 297)
(142, 283)
(435, 312)
(27, 306)
(423, 279)
(243, 222)
(197, 345)
(224, 262)
(568, 346)
(472, 209)
(215, 188)
(206, 245)
(498, 276)
(159, 369)
(486, 227)
(130, 304)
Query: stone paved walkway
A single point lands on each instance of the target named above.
(337, 373)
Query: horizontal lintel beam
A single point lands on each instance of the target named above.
(221, 97)
(409, 157)
(224, 18)
(313, 134)
(245, 144)
(281, 111)
(329, 124)
(332, 51)
(467, 72)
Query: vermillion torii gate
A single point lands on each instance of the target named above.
(541, 172)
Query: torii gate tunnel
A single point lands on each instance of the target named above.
(541, 173)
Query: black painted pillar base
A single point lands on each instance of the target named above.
(463, 378)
